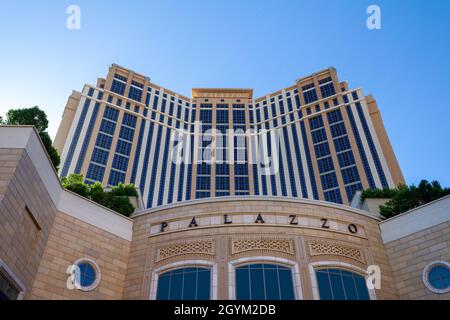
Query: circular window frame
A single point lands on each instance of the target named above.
(427, 270)
(98, 274)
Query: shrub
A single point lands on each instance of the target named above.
(117, 199)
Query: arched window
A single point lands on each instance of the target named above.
(190, 283)
(264, 282)
(338, 284)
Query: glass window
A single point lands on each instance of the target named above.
(439, 277)
(264, 282)
(338, 284)
(87, 274)
(8, 291)
(185, 284)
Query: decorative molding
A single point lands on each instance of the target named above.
(202, 247)
(317, 248)
(267, 244)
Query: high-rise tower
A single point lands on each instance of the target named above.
(316, 139)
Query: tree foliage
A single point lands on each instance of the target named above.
(116, 199)
(37, 118)
(404, 198)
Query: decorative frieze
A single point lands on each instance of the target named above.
(317, 248)
(197, 247)
(267, 244)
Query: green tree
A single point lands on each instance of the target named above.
(117, 199)
(37, 118)
(404, 198)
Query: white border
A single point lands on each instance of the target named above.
(340, 265)
(425, 273)
(255, 259)
(184, 264)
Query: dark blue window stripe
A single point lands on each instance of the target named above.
(164, 169)
(309, 161)
(146, 158)
(289, 162)
(362, 153)
(373, 150)
(153, 176)
(299, 161)
(189, 173)
(138, 151)
(75, 138)
(255, 178)
(273, 181)
(87, 138)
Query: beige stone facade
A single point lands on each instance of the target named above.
(46, 229)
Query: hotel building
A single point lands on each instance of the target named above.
(238, 229)
(323, 140)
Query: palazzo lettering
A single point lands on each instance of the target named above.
(292, 220)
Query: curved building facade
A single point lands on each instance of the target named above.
(55, 244)
(317, 139)
(256, 248)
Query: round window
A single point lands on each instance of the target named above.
(436, 277)
(89, 274)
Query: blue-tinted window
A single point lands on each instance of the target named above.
(103, 141)
(120, 162)
(333, 196)
(111, 114)
(319, 135)
(87, 274)
(264, 282)
(350, 175)
(100, 156)
(439, 277)
(342, 144)
(126, 133)
(185, 284)
(95, 172)
(239, 116)
(107, 126)
(346, 159)
(203, 182)
(116, 177)
(322, 149)
(334, 116)
(222, 116)
(129, 120)
(337, 284)
(123, 147)
(329, 180)
(135, 94)
(310, 96)
(118, 87)
(327, 90)
(241, 183)
(206, 115)
(325, 164)
(338, 129)
(316, 122)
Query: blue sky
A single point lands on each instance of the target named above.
(264, 45)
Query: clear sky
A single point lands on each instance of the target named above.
(264, 45)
